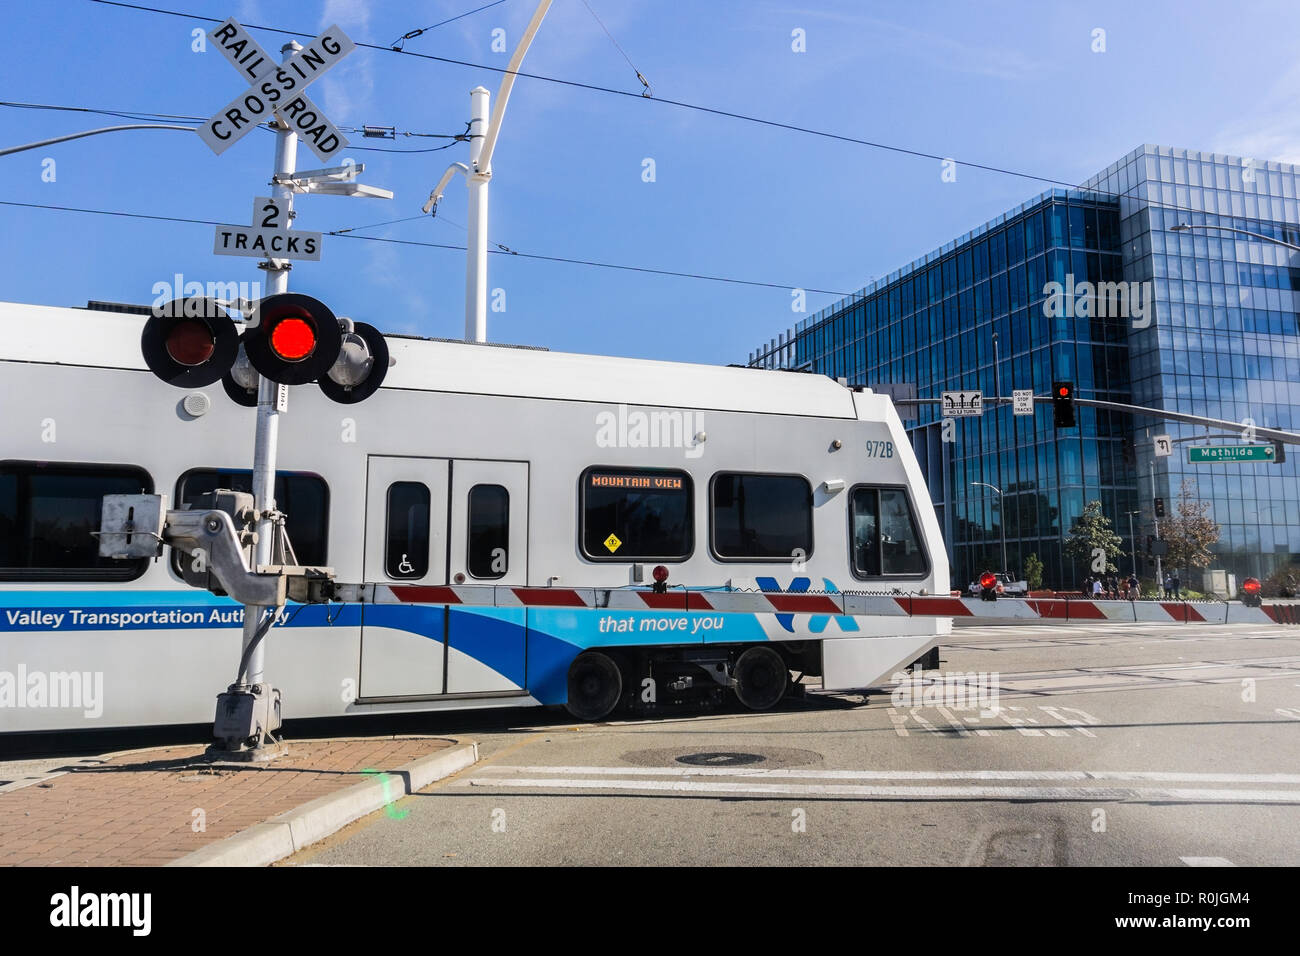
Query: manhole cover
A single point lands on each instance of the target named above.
(720, 759)
(770, 758)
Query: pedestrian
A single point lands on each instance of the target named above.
(1096, 589)
(1169, 585)
(1087, 586)
(1132, 587)
(1178, 585)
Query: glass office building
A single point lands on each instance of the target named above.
(1210, 328)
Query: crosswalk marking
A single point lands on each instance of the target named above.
(1154, 776)
(1053, 794)
(1206, 861)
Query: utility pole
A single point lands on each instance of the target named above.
(997, 452)
(272, 399)
(1133, 541)
(483, 134)
(1160, 577)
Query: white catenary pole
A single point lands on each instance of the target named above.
(476, 244)
(270, 395)
(483, 138)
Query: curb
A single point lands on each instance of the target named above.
(264, 843)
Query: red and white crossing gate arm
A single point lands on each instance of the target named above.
(675, 599)
(1047, 610)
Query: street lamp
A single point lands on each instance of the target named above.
(1002, 519)
(1187, 227)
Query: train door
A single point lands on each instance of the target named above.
(488, 545)
(403, 652)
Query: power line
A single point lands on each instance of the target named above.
(696, 107)
(373, 225)
(397, 44)
(618, 46)
(453, 138)
(349, 234)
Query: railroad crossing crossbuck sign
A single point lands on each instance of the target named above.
(278, 89)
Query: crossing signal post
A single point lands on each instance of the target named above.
(1063, 404)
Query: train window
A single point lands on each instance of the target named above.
(641, 514)
(47, 513)
(406, 538)
(304, 499)
(764, 517)
(489, 531)
(885, 538)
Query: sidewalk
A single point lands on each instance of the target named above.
(157, 806)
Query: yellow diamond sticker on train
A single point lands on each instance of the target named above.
(612, 543)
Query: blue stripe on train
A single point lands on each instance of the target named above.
(530, 647)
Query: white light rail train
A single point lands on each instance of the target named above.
(508, 512)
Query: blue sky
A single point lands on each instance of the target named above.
(1007, 84)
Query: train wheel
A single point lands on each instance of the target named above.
(761, 678)
(595, 685)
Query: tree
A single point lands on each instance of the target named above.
(1190, 532)
(1034, 572)
(1092, 543)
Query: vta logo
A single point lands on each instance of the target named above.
(817, 623)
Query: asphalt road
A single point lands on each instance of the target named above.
(1104, 745)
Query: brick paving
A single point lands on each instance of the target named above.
(138, 809)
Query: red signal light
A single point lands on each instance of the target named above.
(1250, 585)
(1063, 391)
(660, 573)
(293, 339)
(190, 343)
(987, 580)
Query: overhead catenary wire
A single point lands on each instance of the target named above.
(681, 104)
(452, 138)
(618, 46)
(412, 34)
(351, 234)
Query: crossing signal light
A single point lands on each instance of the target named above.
(1279, 452)
(360, 366)
(988, 586)
(293, 338)
(1063, 404)
(241, 380)
(189, 342)
(1160, 507)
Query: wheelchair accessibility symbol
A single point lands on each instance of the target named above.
(405, 566)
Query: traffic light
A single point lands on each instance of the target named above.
(988, 586)
(189, 342)
(1279, 452)
(1250, 589)
(1160, 507)
(1063, 404)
